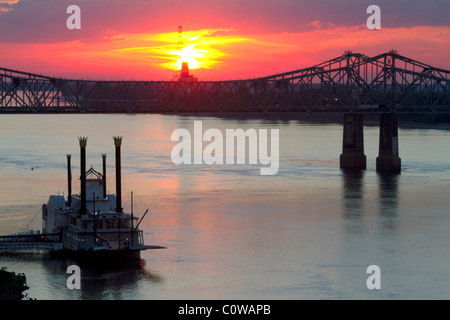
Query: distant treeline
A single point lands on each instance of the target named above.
(426, 118)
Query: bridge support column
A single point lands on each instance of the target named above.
(352, 156)
(388, 159)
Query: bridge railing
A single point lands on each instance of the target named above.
(30, 246)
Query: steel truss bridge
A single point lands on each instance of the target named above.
(353, 82)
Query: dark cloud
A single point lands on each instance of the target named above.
(45, 20)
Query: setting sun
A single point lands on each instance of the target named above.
(201, 51)
(189, 54)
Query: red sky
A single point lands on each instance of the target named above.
(137, 39)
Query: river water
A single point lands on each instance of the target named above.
(308, 232)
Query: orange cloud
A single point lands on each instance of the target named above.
(7, 8)
(222, 54)
(202, 48)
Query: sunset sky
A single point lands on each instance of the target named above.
(137, 39)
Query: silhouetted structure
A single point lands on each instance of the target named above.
(185, 76)
(350, 83)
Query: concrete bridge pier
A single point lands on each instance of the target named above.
(353, 156)
(388, 159)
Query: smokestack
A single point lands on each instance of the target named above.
(104, 175)
(185, 69)
(118, 143)
(69, 182)
(83, 143)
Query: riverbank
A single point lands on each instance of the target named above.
(12, 285)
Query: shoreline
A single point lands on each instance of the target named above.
(438, 121)
(404, 120)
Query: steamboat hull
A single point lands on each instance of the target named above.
(104, 257)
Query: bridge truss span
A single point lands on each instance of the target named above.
(352, 82)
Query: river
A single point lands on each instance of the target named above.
(308, 232)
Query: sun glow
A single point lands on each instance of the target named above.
(204, 49)
(195, 57)
(189, 54)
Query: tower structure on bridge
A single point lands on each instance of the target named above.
(176, 72)
(185, 76)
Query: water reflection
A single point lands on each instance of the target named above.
(353, 194)
(356, 201)
(47, 277)
(388, 201)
